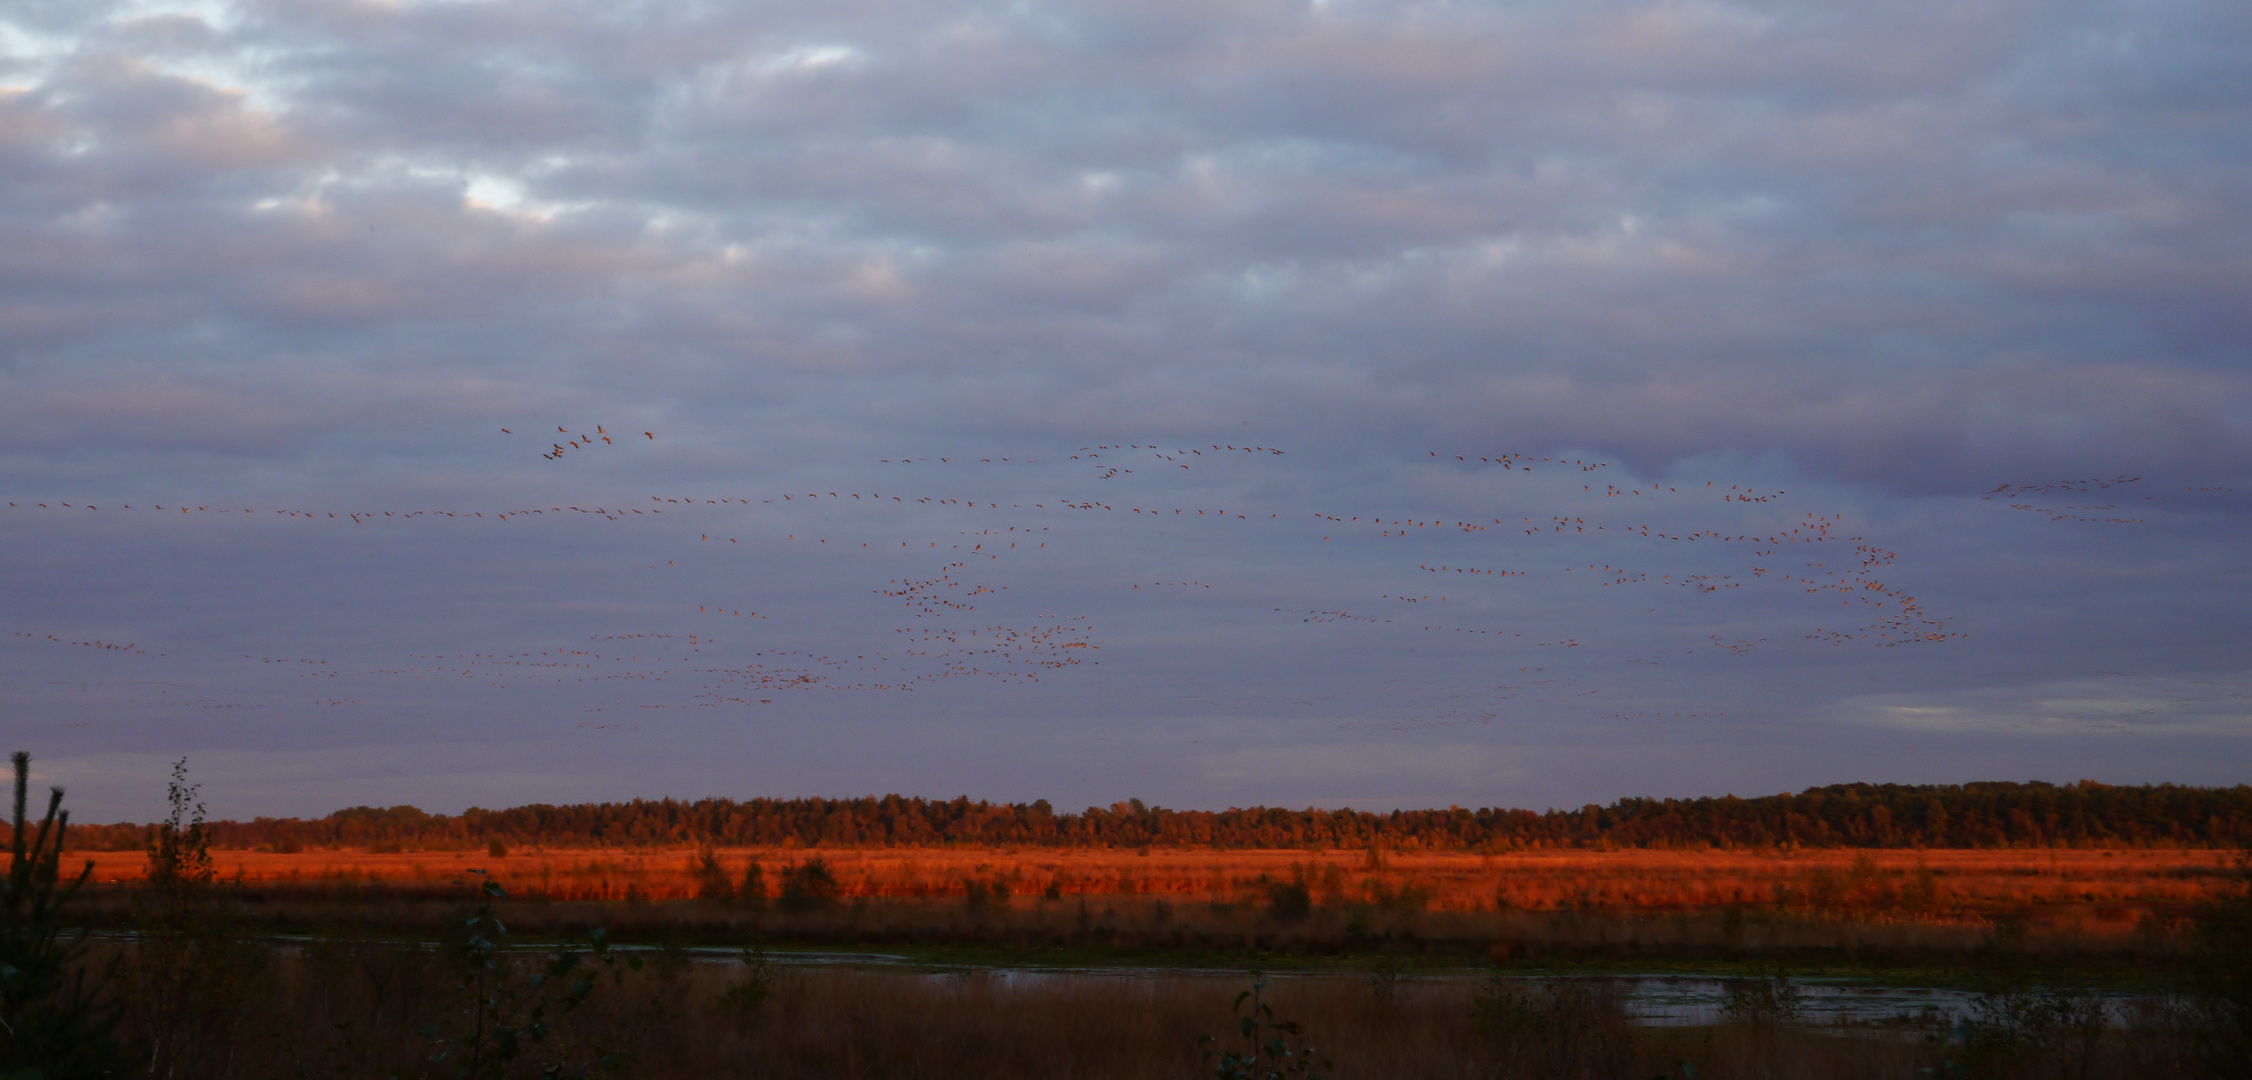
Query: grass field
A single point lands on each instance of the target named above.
(2093, 887)
(1875, 909)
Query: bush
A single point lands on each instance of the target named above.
(751, 893)
(981, 896)
(809, 886)
(1561, 1028)
(54, 1021)
(512, 1023)
(745, 1001)
(1272, 1049)
(1289, 902)
(712, 882)
(2222, 998)
(197, 965)
(2045, 1031)
(1407, 897)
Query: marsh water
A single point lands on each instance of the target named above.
(1656, 999)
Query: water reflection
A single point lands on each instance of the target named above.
(1658, 1000)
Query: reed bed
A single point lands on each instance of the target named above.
(1627, 908)
(363, 1009)
(2089, 887)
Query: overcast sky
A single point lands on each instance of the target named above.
(1645, 376)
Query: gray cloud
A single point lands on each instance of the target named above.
(316, 253)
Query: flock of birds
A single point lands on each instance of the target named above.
(578, 441)
(2105, 513)
(1812, 555)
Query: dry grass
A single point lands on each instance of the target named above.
(2091, 887)
(1858, 908)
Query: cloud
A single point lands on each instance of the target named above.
(281, 415)
(2109, 704)
(319, 252)
(1794, 209)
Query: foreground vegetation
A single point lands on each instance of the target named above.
(356, 1009)
(451, 976)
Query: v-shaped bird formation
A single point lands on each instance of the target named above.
(958, 546)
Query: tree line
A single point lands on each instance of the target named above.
(1978, 815)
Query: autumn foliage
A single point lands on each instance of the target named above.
(1968, 816)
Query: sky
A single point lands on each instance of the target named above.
(1220, 403)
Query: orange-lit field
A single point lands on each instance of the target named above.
(2093, 886)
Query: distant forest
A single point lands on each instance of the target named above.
(1847, 815)
(1982, 815)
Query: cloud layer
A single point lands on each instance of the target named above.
(314, 254)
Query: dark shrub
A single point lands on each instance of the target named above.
(1290, 902)
(809, 886)
(55, 1022)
